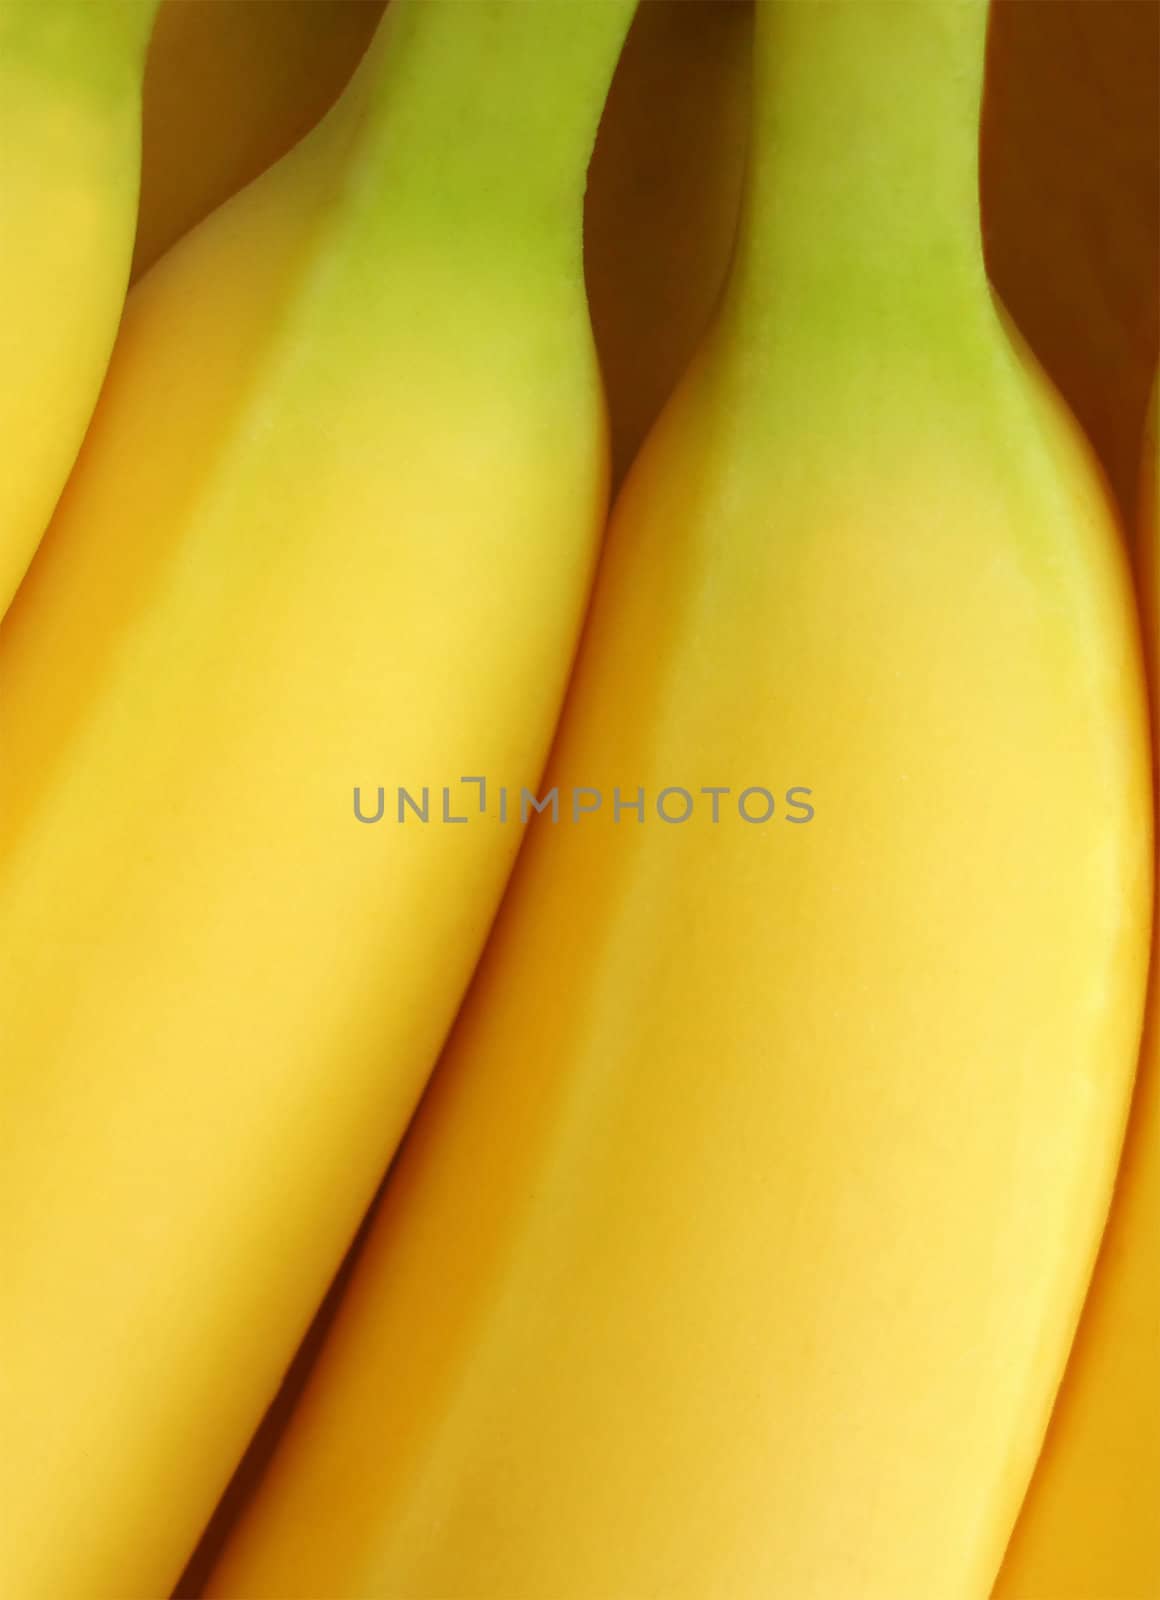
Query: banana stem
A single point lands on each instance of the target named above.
(132, 21)
(89, 33)
(862, 197)
(486, 110)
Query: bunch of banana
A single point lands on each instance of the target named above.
(768, 1229)
(334, 522)
(739, 1242)
(70, 141)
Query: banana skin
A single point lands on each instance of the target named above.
(70, 147)
(336, 517)
(1087, 1529)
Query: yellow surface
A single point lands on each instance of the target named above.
(333, 525)
(741, 1238)
(70, 136)
(1089, 1529)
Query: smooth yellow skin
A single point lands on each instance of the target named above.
(739, 1242)
(334, 524)
(1088, 1528)
(230, 86)
(70, 141)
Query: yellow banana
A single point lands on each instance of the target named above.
(1088, 1528)
(70, 139)
(231, 85)
(333, 526)
(739, 1242)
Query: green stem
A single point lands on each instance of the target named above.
(132, 21)
(862, 199)
(89, 35)
(487, 110)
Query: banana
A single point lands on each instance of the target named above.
(1087, 1530)
(231, 85)
(333, 528)
(739, 1242)
(70, 139)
